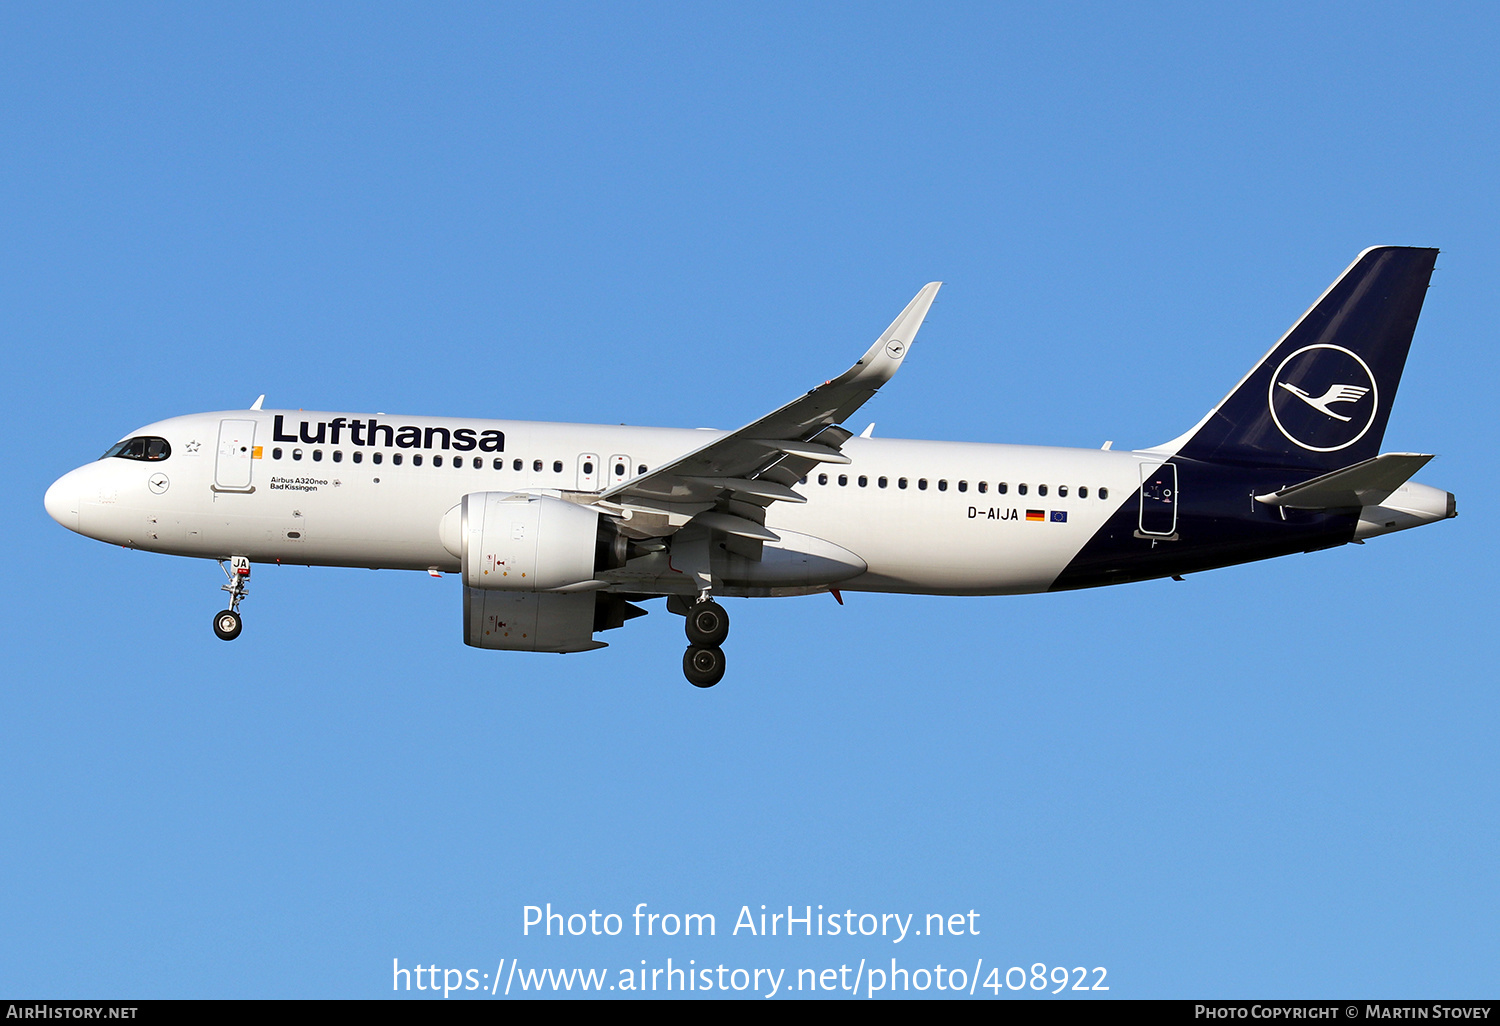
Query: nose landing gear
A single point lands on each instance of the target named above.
(227, 623)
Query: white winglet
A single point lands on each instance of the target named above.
(883, 359)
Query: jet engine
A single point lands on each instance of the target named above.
(528, 561)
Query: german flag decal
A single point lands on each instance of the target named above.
(1035, 514)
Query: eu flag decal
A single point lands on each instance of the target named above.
(1059, 516)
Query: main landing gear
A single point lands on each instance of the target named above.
(707, 626)
(227, 623)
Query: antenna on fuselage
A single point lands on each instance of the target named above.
(256, 405)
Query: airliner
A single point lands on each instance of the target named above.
(561, 531)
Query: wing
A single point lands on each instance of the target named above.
(727, 484)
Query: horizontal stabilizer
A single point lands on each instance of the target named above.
(1368, 483)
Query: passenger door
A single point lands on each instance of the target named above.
(232, 470)
(1158, 499)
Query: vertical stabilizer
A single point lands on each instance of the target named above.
(1321, 397)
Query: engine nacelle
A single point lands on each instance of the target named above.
(527, 621)
(508, 541)
(516, 551)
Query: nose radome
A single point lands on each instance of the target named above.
(61, 500)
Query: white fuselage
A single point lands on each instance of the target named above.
(914, 511)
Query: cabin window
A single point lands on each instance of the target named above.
(416, 459)
(942, 484)
(1104, 493)
(963, 486)
(377, 457)
(843, 480)
(883, 482)
(478, 462)
(557, 466)
(536, 466)
(588, 466)
(921, 484)
(803, 479)
(396, 458)
(1002, 488)
(1041, 489)
(1062, 491)
(984, 486)
(900, 482)
(822, 479)
(863, 481)
(437, 461)
(317, 455)
(359, 457)
(276, 453)
(338, 455)
(296, 454)
(619, 470)
(1083, 491)
(641, 469)
(1020, 489)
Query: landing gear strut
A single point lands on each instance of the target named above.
(707, 626)
(227, 623)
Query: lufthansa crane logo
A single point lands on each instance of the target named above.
(894, 348)
(1323, 398)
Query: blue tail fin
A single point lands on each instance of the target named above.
(1321, 397)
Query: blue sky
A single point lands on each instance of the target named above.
(1276, 779)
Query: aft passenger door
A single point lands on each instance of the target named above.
(1158, 499)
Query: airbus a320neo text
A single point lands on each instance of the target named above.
(562, 531)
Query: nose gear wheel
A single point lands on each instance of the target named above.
(227, 622)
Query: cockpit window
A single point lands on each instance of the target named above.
(143, 447)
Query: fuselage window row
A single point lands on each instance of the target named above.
(157, 449)
(145, 449)
(983, 487)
